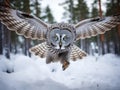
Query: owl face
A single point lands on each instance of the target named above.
(60, 39)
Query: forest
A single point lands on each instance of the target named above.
(75, 11)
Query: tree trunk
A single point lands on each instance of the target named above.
(1, 47)
(99, 45)
(119, 38)
(87, 46)
(101, 36)
(108, 42)
(7, 42)
(118, 12)
(25, 50)
(27, 46)
(15, 45)
(116, 41)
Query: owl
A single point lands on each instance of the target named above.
(59, 38)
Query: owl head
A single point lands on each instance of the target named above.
(61, 35)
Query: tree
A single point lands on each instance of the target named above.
(94, 11)
(7, 41)
(69, 13)
(26, 8)
(99, 39)
(23, 5)
(1, 41)
(96, 39)
(102, 38)
(113, 7)
(36, 8)
(48, 17)
(6, 34)
(81, 12)
(16, 4)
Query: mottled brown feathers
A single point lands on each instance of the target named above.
(23, 23)
(41, 51)
(94, 26)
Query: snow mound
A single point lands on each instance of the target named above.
(90, 73)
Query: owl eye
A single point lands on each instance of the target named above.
(55, 38)
(65, 38)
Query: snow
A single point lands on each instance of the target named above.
(90, 73)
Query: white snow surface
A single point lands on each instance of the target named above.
(90, 73)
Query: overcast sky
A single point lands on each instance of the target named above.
(58, 10)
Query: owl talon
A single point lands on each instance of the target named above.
(65, 65)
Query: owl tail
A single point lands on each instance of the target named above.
(39, 50)
(77, 53)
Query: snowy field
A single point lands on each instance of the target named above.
(91, 73)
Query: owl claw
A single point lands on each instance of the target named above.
(65, 65)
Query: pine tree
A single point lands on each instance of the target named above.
(1, 32)
(81, 12)
(23, 5)
(36, 5)
(94, 13)
(113, 7)
(7, 41)
(6, 35)
(48, 17)
(69, 10)
(15, 4)
(1, 41)
(26, 8)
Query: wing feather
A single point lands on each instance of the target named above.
(76, 53)
(23, 24)
(94, 26)
(39, 50)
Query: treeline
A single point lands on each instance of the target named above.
(75, 10)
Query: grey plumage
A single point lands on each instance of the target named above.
(94, 26)
(58, 38)
(23, 24)
(42, 49)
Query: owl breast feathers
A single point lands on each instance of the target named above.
(58, 38)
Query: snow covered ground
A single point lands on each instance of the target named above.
(91, 73)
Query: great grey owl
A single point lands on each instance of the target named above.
(58, 38)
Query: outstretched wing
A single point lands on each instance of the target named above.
(94, 26)
(77, 53)
(39, 50)
(23, 24)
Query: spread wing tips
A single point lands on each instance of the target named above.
(23, 24)
(92, 27)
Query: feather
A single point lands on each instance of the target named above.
(94, 26)
(23, 24)
(39, 50)
(76, 53)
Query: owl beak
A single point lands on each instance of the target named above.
(60, 44)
